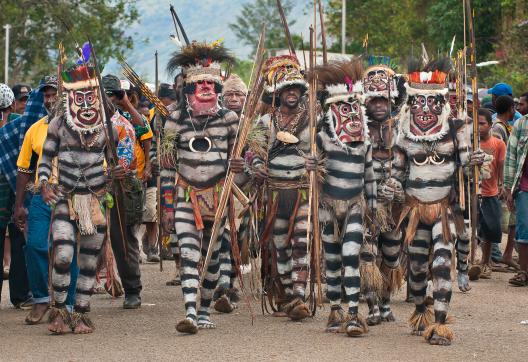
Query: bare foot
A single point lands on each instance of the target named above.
(205, 323)
(81, 324)
(439, 341)
(38, 311)
(223, 305)
(82, 328)
(58, 321)
(463, 282)
(374, 318)
(387, 317)
(356, 327)
(187, 326)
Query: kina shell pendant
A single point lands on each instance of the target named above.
(287, 137)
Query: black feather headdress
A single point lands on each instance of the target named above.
(200, 61)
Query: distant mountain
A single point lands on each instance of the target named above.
(202, 20)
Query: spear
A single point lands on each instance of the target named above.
(177, 23)
(256, 87)
(313, 192)
(473, 75)
(286, 29)
(323, 32)
(157, 121)
(110, 141)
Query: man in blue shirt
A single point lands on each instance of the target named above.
(502, 89)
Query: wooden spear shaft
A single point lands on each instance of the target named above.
(256, 88)
(475, 142)
(286, 28)
(313, 229)
(323, 32)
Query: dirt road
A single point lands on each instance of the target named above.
(487, 328)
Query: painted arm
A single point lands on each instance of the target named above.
(370, 180)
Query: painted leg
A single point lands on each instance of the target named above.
(391, 269)
(332, 255)
(63, 233)
(462, 256)
(352, 239)
(210, 279)
(438, 333)
(422, 317)
(190, 240)
(89, 250)
(284, 253)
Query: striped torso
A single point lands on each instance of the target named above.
(348, 173)
(431, 182)
(201, 169)
(80, 170)
(387, 162)
(285, 161)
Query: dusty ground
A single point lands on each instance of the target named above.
(487, 328)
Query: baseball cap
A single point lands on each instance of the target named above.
(111, 83)
(501, 89)
(6, 96)
(20, 91)
(49, 81)
(166, 91)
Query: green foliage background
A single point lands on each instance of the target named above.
(39, 26)
(398, 28)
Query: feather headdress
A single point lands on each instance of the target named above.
(379, 78)
(283, 71)
(82, 73)
(430, 78)
(339, 81)
(200, 61)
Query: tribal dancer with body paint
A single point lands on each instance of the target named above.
(382, 100)
(77, 137)
(430, 145)
(198, 138)
(281, 165)
(346, 153)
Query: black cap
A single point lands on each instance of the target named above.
(111, 83)
(20, 91)
(49, 81)
(166, 91)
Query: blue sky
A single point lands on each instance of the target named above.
(202, 19)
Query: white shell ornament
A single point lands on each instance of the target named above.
(200, 144)
(287, 137)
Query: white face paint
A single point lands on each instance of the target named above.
(84, 108)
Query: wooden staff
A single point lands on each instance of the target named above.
(286, 28)
(157, 121)
(313, 192)
(323, 32)
(475, 191)
(461, 114)
(256, 87)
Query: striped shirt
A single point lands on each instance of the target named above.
(516, 154)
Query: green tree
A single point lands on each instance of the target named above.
(39, 26)
(394, 28)
(248, 24)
